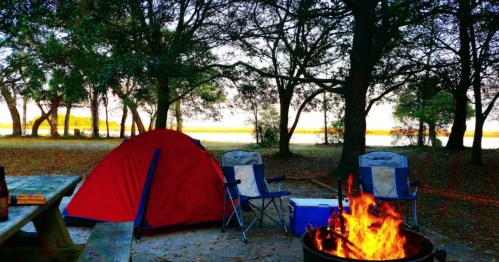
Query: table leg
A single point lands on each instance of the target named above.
(51, 228)
(70, 192)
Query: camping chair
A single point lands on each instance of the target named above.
(385, 175)
(245, 181)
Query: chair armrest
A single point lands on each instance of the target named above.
(415, 183)
(278, 179)
(232, 183)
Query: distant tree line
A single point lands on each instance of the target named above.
(74, 121)
(436, 60)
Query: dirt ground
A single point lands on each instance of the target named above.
(206, 242)
(456, 199)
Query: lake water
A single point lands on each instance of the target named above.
(487, 142)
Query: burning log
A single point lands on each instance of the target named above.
(340, 201)
(328, 238)
(310, 231)
(338, 235)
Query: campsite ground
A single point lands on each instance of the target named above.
(458, 205)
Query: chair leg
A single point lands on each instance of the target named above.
(261, 213)
(223, 219)
(376, 206)
(281, 218)
(239, 216)
(235, 208)
(280, 202)
(405, 221)
(240, 219)
(238, 211)
(244, 238)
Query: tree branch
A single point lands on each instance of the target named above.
(300, 109)
(490, 106)
(376, 99)
(267, 74)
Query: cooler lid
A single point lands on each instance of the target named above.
(315, 202)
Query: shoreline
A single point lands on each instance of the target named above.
(248, 130)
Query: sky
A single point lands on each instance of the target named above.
(380, 117)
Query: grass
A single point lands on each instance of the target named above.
(456, 199)
(24, 156)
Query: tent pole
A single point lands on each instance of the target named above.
(140, 219)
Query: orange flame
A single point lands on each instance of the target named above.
(366, 236)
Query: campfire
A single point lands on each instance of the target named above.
(361, 235)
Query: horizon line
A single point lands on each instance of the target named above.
(198, 129)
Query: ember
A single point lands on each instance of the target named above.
(365, 236)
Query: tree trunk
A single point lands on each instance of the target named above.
(94, 105)
(456, 138)
(107, 116)
(66, 119)
(132, 132)
(23, 123)
(476, 150)
(459, 125)
(257, 132)
(151, 123)
(284, 135)
(178, 116)
(355, 130)
(136, 117)
(325, 120)
(432, 125)
(123, 120)
(356, 85)
(421, 124)
(433, 134)
(133, 108)
(53, 120)
(53, 124)
(39, 121)
(14, 113)
(25, 100)
(163, 90)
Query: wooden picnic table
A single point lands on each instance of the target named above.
(47, 219)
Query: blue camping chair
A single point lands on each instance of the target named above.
(244, 182)
(385, 175)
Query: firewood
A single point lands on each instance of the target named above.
(27, 199)
(332, 232)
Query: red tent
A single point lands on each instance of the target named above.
(157, 178)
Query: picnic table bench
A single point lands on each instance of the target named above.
(56, 242)
(110, 242)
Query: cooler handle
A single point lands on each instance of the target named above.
(291, 211)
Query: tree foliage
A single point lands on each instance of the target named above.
(155, 42)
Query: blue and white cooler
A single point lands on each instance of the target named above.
(312, 210)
